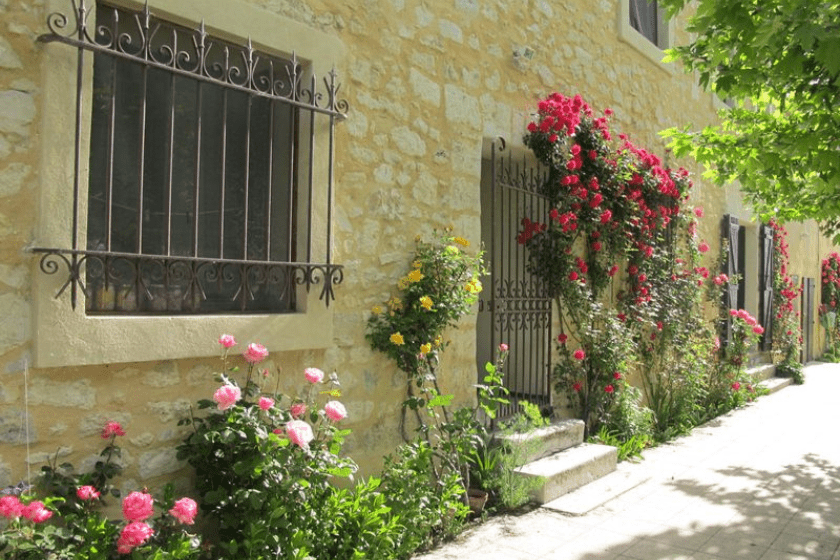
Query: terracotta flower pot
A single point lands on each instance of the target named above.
(478, 499)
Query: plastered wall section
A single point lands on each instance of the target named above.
(427, 83)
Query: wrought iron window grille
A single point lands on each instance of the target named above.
(175, 269)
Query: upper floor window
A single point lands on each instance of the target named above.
(203, 180)
(646, 18)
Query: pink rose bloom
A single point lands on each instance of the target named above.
(733, 313)
(503, 347)
(184, 511)
(36, 512)
(112, 429)
(579, 354)
(703, 247)
(227, 340)
(226, 396)
(698, 212)
(313, 375)
(758, 329)
(299, 432)
(335, 411)
(87, 493)
(609, 389)
(138, 506)
(10, 507)
(577, 387)
(298, 410)
(736, 386)
(266, 403)
(255, 353)
(562, 338)
(133, 535)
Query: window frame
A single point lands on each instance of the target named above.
(67, 336)
(643, 45)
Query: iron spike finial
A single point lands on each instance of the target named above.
(147, 15)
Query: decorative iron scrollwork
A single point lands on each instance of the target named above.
(114, 281)
(195, 53)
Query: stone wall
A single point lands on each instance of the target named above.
(427, 84)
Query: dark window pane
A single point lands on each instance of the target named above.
(207, 171)
(644, 18)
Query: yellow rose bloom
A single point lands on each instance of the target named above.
(426, 348)
(376, 310)
(473, 286)
(426, 302)
(397, 339)
(462, 241)
(415, 276)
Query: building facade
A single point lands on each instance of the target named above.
(173, 171)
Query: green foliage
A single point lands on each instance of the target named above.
(427, 507)
(589, 374)
(628, 448)
(779, 60)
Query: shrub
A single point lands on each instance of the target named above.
(69, 524)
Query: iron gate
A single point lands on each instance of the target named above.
(515, 308)
(808, 290)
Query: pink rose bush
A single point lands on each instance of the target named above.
(138, 506)
(85, 493)
(11, 507)
(227, 341)
(299, 433)
(255, 353)
(265, 456)
(313, 375)
(184, 511)
(112, 429)
(227, 395)
(133, 535)
(335, 411)
(84, 531)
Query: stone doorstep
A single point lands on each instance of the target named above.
(774, 384)
(762, 372)
(570, 469)
(586, 498)
(546, 441)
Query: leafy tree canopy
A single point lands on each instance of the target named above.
(779, 62)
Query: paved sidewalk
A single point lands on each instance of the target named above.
(760, 483)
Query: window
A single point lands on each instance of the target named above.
(642, 25)
(201, 176)
(180, 311)
(646, 19)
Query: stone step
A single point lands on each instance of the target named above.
(586, 498)
(569, 469)
(774, 384)
(762, 372)
(546, 441)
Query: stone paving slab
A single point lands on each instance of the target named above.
(760, 483)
